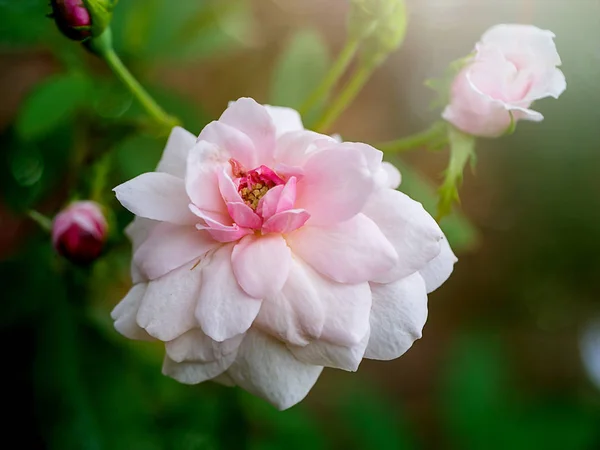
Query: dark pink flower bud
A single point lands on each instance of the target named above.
(72, 18)
(79, 232)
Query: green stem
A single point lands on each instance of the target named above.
(348, 94)
(337, 70)
(435, 134)
(102, 45)
(44, 222)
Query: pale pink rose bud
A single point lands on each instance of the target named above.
(79, 232)
(263, 252)
(513, 66)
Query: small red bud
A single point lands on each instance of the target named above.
(72, 18)
(79, 232)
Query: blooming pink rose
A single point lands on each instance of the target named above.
(79, 232)
(264, 252)
(513, 66)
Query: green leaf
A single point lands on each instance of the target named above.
(52, 103)
(462, 149)
(461, 233)
(301, 67)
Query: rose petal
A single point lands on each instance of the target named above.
(231, 142)
(398, 315)
(268, 370)
(286, 221)
(261, 264)
(201, 182)
(349, 252)
(293, 148)
(224, 310)
(194, 372)
(295, 315)
(167, 309)
(253, 119)
(336, 185)
(330, 355)
(169, 246)
(438, 270)
(195, 346)
(410, 229)
(125, 312)
(284, 119)
(174, 158)
(157, 196)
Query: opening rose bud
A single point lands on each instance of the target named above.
(79, 232)
(512, 67)
(72, 18)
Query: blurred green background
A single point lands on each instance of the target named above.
(499, 366)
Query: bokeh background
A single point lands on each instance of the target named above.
(501, 363)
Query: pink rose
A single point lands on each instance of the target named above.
(79, 232)
(263, 252)
(513, 66)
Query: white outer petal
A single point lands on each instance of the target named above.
(267, 369)
(174, 157)
(398, 315)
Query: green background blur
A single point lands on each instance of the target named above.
(499, 365)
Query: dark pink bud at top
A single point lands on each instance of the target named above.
(79, 232)
(72, 18)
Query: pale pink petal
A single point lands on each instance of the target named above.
(336, 185)
(244, 216)
(157, 196)
(196, 372)
(330, 355)
(167, 309)
(295, 315)
(286, 221)
(438, 270)
(411, 230)
(517, 38)
(261, 264)
(201, 181)
(293, 148)
(195, 346)
(393, 178)
(138, 230)
(227, 188)
(231, 142)
(174, 157)
(224, 310)
(398, 315)
(288, 196)
(253, 119)
(217, 230)
(347, 308)
(349, 252)
(285, 119)
(125, 312)
(267, 369)
(267, 206)
(169, 246)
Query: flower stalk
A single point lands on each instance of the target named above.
(102, 46)
(335, 73)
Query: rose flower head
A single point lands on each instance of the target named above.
(263, 252)
(79, 232)
(513, 65)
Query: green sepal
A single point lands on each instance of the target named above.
(462, 150)
(101, 12)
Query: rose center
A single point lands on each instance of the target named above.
(253, 184)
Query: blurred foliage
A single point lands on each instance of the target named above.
(77, 384)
